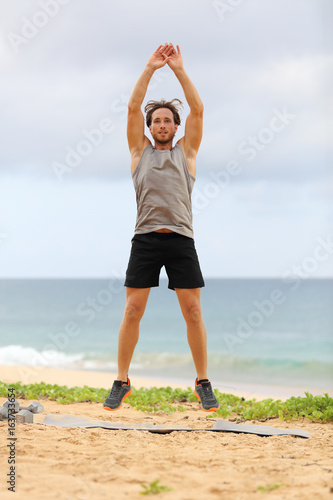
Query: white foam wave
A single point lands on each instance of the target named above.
(28, 356)
(222, 365)
(17, 355)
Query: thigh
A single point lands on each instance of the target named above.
(136, 300)
(189, 301)
(144, 264)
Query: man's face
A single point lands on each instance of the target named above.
(163, 127)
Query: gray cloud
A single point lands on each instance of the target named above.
(74, 75)
(81, 66)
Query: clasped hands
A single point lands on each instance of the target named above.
(166, 54)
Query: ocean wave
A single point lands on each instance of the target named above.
(239, 361)
(17, 355)
(29, 356)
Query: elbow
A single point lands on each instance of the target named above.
(198, 111)
(133, 106)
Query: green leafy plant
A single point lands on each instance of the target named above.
(60, 393)
(160, 398)
(270, 487)
(154, 488)
(168, 400)
(318, 408)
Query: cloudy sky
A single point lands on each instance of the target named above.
(264, 189)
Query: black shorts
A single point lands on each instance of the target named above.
(176, 252)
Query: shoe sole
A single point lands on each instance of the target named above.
(115, 409)
(210, 409)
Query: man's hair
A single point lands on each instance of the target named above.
(152, 106)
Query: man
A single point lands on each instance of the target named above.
(163, 178)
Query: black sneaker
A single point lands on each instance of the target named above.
(203, 391)
(120, 390)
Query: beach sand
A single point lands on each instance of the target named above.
(83, 464)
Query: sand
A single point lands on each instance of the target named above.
(80, 464)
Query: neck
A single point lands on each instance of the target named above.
(163, 147)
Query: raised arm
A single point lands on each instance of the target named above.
(137, 140)
(193, 126)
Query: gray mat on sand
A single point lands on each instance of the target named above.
(219, 426)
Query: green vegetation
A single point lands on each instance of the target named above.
(154, 488)
(60, 393)
(270, 487)
(168, 400)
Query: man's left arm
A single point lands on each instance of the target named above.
(194, 122)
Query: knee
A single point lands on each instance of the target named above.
(192, 313)
(133, 312)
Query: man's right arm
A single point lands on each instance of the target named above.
(137, 140)
(135, 119)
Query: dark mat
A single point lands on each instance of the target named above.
(219, 426)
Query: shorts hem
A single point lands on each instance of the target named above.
(184, 287)
(134, 285)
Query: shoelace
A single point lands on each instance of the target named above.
(208, 392)
(115, 390)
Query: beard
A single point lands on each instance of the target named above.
(164, 139)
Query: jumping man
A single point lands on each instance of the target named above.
(163, 178)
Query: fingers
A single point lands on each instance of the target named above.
(171, 49)
(166, 47)
(167, 50)
(160, 48)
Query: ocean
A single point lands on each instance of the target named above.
(260, 331)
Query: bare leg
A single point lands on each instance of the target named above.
(136, 301)
(189, 301)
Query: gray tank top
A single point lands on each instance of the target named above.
(163, 187)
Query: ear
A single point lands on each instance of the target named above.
(176, 128)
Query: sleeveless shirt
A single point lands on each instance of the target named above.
(163, 187)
